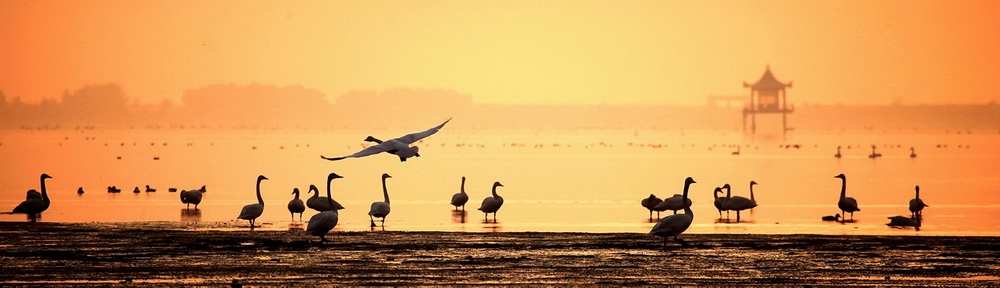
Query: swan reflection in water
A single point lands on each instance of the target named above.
(458, 216)
(190, 215)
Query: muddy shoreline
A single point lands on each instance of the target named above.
(169, 255)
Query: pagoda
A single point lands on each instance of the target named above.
(767, 96)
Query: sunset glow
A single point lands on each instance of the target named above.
(510, 52)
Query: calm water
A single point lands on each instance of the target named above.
(554, 180)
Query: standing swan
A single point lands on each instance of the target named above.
(676, 202)
(460, 198)
(296, 205)
(322, 204)
(492, 204)
(380, 209)
(191, 197)
(846, 204)
(323, 222)
(917, 205)
(739, 203)
(838, 153)
(874, 155)
(674, 225)
(651, 203)
(720, 202)
(913, 154)
(250, 212)
(33, 207)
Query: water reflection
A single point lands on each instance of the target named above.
(492, 226)
(458, 216)
(295, 226)
(191, 215)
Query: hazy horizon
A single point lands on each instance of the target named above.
(512, 52)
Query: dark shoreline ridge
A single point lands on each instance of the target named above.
(161, 255)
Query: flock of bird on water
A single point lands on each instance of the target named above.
(323, 222)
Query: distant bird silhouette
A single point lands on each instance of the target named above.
(903, 222)
(719, 201)
(651, 203)
(832, 218)
(874, 155)
(739, 203)
(913, 154)
(149, 189)
(250, 212)
(136, 190)
(676, 224)
(676, 202)
(917, 205)
(35, 206)
(838, 153)
(492, 204)
(295, 205)
(399, 146)
(846, 204)
(380, 209)
(113, 189)
(79, 191)
(321, 223)
(460, 198)
(737, 152)
(192, 197)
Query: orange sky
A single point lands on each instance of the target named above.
(672, 52)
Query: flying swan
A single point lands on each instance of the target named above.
(399, 146)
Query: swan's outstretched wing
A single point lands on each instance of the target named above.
(414, 137)
(372, 150)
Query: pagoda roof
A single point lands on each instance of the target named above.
(768, 82)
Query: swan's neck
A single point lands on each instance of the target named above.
(45, 195)
(918, 193)
(328, 197)
(296, 194)
(495, 190)
(729, 193)
(751, 193)
(385, 192)
(687, 208)
(463, 186)
(259, 199)
(843, 188)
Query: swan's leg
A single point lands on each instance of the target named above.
(401, 159)
(372, 219)
(737, 216)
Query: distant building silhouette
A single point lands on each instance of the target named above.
(767, 96)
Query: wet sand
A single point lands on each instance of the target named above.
(171, 254)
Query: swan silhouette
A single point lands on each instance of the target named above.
(739, 203)
(917, 205)
(150, 189)
(838, 153)
(676, 202)
(192, 197)
(399, 146)
(492, 204)
(676, 224)
(719, 201)
(380, 209)
(250, 212)
(874, 155)
(34, 207)
(295, 205)
(651, 203)
(321, 223)
(903, 222)
(832, 218)
(322, 204)
(913, 154)
(460, 198)
(846, 204)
